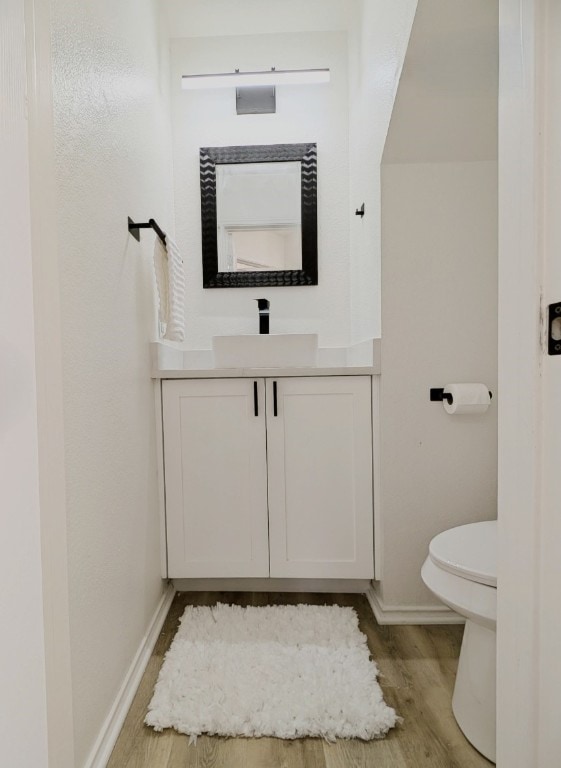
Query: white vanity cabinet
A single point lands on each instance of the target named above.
(215, 465)
(319, 461)
(269, 477)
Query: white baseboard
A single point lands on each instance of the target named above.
(358, 586)
(111, 728)
(410, 614)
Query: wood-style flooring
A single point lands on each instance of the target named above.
(417, 665)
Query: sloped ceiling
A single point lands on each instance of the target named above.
(447, 100)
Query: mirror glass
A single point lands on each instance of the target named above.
(258, 216)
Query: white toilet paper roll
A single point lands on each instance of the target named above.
(467, 398)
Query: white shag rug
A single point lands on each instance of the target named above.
(286, 671)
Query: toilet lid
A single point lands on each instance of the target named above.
(469, 551)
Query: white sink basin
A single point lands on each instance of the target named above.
(283, 350)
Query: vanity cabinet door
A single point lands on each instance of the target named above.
(319, 447)
(215, 477)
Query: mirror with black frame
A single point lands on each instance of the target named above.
(259, 215)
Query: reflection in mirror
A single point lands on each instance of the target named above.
(258, 216)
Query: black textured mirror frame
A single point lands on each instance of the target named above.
(210, 157)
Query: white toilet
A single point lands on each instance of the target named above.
(461, 570)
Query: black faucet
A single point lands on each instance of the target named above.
(263, 305)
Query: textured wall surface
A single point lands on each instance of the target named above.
(113, 160)
(304, 114)
(378, 40)
(199, 18)
(22, 652)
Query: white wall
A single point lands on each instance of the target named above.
(112, 142)
(304, 114)
(446, 106)
(23, 716)
(199, 18)
(439, 316)
(439, 288)
(378, 38)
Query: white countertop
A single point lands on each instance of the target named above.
(240, 373)
(170, 361)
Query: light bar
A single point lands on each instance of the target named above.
(245, 79)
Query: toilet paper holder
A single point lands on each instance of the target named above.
(437, 395)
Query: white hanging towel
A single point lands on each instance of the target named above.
(170, 279)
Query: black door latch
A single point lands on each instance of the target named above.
(554, 329)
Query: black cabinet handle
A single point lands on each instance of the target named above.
(275, 407)
(255, 399)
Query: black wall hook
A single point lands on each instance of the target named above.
(135, 228)
(360, 211)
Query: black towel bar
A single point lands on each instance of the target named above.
(135, 228)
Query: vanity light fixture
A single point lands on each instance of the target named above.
(269, 77)
(255, 91)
